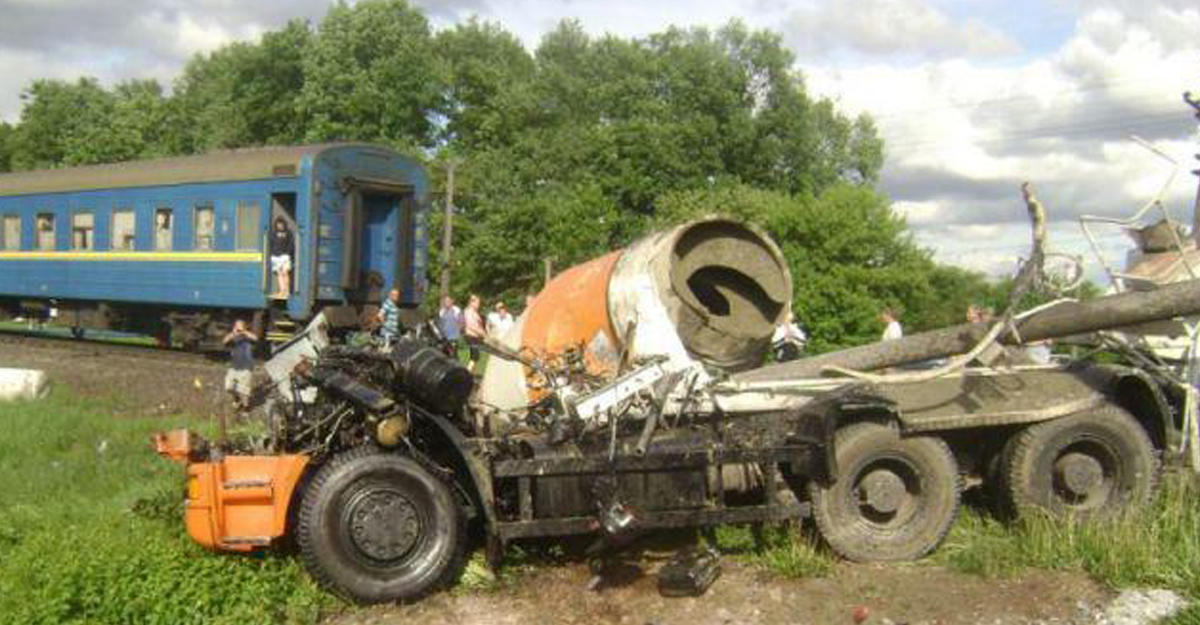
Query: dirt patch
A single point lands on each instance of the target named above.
(136, 382)
(897, 594)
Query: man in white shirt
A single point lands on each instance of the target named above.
(892, 329)
(499, 321)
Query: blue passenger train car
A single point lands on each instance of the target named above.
(178, 245)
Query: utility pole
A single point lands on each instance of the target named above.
(448, 228)
(548, 269)
(1195, 104)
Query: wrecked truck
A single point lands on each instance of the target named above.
(631, 396)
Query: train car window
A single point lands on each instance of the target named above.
(83, 226)
(248, 216)
(204, 227)
(11, 233)
(162, 228)
(124, 229)
(45, 231)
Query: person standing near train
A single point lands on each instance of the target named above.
(450, 322)
(240, 375)
(389, 318)
(473, 329)
(499, 321)
(283, 248)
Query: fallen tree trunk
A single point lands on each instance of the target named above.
(1179, 299)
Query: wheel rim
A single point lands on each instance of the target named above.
(383, 525)
(887, 492)
(1084, 474)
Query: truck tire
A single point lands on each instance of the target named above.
(377, 527)
(1085, 465)
(894, 498)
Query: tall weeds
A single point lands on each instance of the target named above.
(1157, 546)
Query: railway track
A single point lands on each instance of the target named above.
(95, 348)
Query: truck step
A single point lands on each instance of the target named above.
(254, 541)
(232, 484)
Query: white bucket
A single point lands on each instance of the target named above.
(23, 384)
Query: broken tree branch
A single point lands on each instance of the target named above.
(1027, 278)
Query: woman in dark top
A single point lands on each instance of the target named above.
(282, 249)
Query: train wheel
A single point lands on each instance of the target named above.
(895, 498)
(379, 527)
(1084, 465)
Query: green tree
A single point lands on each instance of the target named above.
(487, 72)
(244, 93)
(130, 124)
(82, 123)
(609, 126)
(371, 73)
(6, 146)
(54, 116)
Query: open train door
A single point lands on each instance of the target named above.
(383, 231)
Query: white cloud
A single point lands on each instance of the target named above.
(67, 39)
(886, 27)
(962, 134)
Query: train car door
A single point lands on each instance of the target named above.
(283, 206)
(380, 245)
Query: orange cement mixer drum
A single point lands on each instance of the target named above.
(571, 311)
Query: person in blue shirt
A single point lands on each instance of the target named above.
(450, 322)
(389, 317)
(239, 377)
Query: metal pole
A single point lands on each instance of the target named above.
(1195, 104)
(448, 229)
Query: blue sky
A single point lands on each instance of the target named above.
(973, 97)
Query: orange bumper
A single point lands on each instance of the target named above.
(237, 503)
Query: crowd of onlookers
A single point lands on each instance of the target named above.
(470, 326)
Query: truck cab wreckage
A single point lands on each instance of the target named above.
(631, 396)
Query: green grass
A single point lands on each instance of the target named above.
(1156, 547)
(91, 531)
(784, 550)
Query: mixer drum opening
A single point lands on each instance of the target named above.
(734, 287)
(721, 290)
(732, 275)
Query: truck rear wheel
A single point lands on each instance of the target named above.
(1084, 465)
(378, 527)
(895, 498)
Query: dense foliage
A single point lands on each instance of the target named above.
(562, 152)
